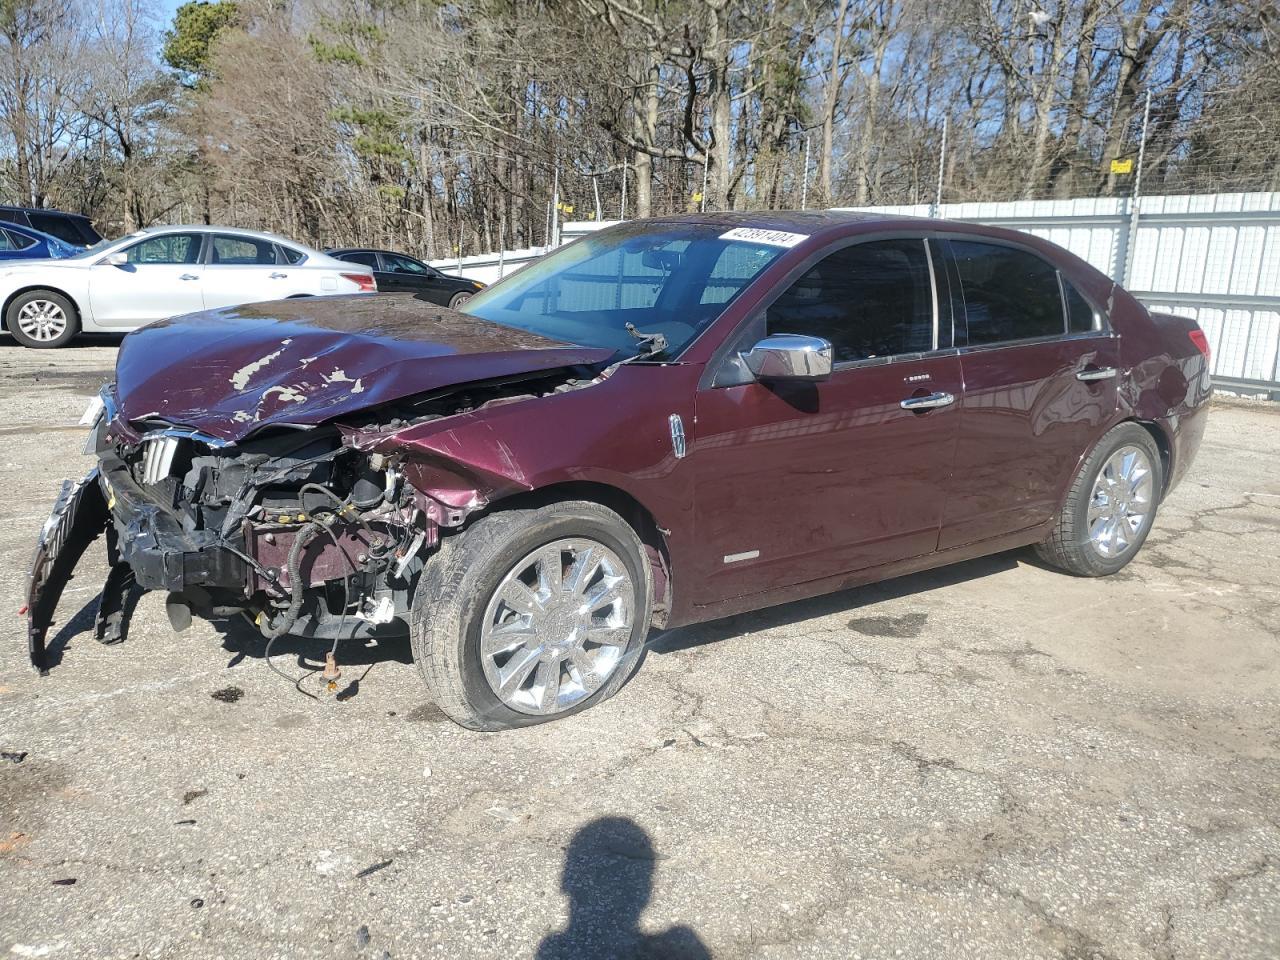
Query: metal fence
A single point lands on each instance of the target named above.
(1214, 258)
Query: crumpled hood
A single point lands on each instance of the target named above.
(231, 372)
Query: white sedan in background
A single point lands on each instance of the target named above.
(161, 272)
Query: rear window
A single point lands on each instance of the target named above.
(64, 228)
(1009, 294)
(366, 259)
(89, 235)
(12, 240)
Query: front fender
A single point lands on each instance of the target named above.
(616, 432)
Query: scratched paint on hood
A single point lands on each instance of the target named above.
(231, 372)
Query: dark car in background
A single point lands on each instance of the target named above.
(24, 243)
(401, 273)
(73, 228)
(664, 422)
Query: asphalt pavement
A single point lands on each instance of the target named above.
(989, 760)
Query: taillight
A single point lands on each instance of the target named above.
(1201, 341)
(364, 281)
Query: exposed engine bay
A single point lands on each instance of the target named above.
(303, 531)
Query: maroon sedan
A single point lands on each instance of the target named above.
(664, 422)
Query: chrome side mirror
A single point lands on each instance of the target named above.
(789, 356)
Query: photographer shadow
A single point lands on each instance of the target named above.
(608, 877)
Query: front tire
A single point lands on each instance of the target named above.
(459, 298)
(42, 319)
(1110, 507)
(532, 615)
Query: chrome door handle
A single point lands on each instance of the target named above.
(189, 276)
(1098, 373)
(928, 403)
(278, 276)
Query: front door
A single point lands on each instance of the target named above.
(1040, 373)
(801, 481)
(160, 278)
(406, 275)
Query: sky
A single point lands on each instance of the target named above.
(165, 9)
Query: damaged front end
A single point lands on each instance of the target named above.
(315, 531)
(295, 529)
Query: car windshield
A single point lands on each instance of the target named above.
(667, 278)
(94, 251)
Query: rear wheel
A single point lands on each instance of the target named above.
(42, 319)
(532, 615)
(1110, 507)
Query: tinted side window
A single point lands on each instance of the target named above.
(242, 251)
(13, 216)
(870, 300)
(20, 241)
(61, 227)
(290, 255)
(398, 264)
(367, 259)
(1079, 312)
(7, 244)
(1009, 294)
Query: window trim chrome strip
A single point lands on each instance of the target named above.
(933, 288)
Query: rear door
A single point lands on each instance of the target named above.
(243, 269)
(1040, 373)
(161, 278)
(801, 481)
(367, 258)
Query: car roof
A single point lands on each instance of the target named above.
(819, 223)
(214, 228)
(56, 213)
(333, 252)
(810, 220)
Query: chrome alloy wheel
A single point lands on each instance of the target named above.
(1121, 500)
(557, 625)
(42, 320)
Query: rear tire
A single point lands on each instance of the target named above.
(42, 319)
(491, 664)
(1110, 507)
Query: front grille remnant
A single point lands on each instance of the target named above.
(157, 458)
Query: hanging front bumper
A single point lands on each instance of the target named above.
(79, 515)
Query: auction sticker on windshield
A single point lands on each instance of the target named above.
(773, 238)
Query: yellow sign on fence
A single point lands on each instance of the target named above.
(1122, 166)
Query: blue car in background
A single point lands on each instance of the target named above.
(24, 243)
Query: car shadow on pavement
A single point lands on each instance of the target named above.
(845, 601)
(242, 639)
(608, 878)
(78, 624)
(79, 342)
